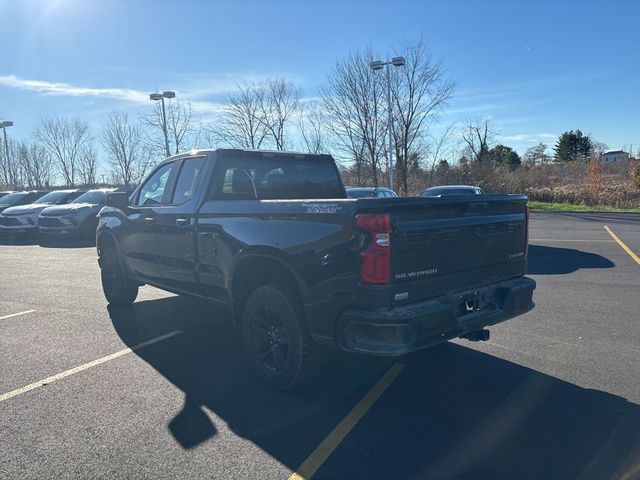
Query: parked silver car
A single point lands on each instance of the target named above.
(23, 219)
(77, 220)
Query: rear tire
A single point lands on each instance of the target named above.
(276, 340)
(118, 289)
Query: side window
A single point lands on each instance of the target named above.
(153, 191)
(187, 180)
(239, 184)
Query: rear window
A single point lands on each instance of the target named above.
(270, 179)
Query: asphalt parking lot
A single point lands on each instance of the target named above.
(162, 390)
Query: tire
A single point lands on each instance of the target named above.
(276, 340)
(119, 290)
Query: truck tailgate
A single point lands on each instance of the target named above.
(458, 243)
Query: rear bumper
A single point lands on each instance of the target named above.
(413, 327)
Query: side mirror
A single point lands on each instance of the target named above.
(117, 199)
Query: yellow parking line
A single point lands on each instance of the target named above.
(622, 245)
(329, 444)
(17, 314)
(568, 240)
(94, 363)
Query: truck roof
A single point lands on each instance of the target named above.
(232, 152)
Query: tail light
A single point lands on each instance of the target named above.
(526, 231)
(376, 259)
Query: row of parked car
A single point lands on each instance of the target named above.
(369, 192)
(64, 214)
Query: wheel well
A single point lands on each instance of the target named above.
(104, 241)
(254, 272)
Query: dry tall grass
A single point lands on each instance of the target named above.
(616, 185)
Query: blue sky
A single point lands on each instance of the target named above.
(537, 68)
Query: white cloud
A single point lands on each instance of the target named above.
(122, 94)
(64, 89)
(475, 109)
(528, 137)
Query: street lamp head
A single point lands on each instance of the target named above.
(155, 96)
(6, 123)
(398, 61)
(169, 94)
(376, 65)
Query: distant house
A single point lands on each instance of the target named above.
(611, 156)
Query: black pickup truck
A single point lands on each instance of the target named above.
(272, 236)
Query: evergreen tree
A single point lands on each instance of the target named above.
(572, 146)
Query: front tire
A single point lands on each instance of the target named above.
(118, 289)
(276, 340)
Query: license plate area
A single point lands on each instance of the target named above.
(475, 301)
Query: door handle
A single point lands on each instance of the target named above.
(182, 222)
(212, 236)
(150, 219)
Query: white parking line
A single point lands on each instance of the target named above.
(94, 363)
(16, 314)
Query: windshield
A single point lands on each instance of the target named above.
(12, 198)
(97, 196)
(56, 197)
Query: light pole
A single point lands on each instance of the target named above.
(161, 96)
(378, 65)
(4, 125)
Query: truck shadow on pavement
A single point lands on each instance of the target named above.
(453, 412)
(544, 260)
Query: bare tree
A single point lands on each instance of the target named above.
(241, 124)
(478, 134)
(537, 155)
(599, 148)
(10, 166)
(123, 143)
(438, 147)
(64, 139)
(354, 102)
(311, 124)
(179, 127)
(419, 90)
(88, 166)
(36, 165)
(258, 113)
(279, 103)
